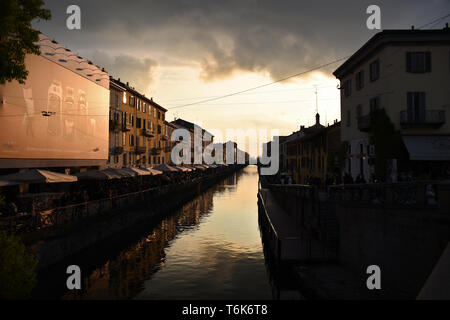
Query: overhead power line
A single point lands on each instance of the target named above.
(261, 86)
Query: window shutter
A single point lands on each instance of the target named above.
(408, 62)
(422, 113)
(409, 106)
(427, 61)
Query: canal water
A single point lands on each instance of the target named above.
(211, 248)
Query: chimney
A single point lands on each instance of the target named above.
(317, 119)
(128, 84)
(118, 79)
(412, 27)
(446, 26)
(302, 127)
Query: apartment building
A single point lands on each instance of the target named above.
(406, 73)
(311, 151)
(169, 144)
(206, 137)
(138, 132)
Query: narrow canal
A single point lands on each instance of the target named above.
(211, 248)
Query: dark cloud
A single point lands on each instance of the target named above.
(128, 67)
(279, 37)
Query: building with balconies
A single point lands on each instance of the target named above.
(206, 137)
(136, 126)
(406, 73)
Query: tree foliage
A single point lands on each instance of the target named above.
(388, 142)
(17, 37)
(17, 268)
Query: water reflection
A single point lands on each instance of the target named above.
(209, 249)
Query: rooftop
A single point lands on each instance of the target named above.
(389, 37)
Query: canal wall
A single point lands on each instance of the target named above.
(97, 220)
(403, 235)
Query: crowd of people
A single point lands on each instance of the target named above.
(48, 196)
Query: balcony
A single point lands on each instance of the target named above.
(364, 123)
(147, 133)
(126, 126)
(140, 150)
(116, 151)
(430, 118)
(114, 125)
(155, 151)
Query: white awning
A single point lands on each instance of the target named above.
(134, 171)
(36, 176)
(431, 148)
(93, 175)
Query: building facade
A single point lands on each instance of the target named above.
(312, 153)
(58, 119)
(206, 138)
(406, 73)
(138, 132)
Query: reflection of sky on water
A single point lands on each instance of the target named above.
(210, 249)
(223, 257)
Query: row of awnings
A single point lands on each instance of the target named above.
(428, 148)
(45, 176)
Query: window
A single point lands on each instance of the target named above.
(349, 116)
(348, 88)
(138, 123)
(416, 103)
(125, 117)
(159, 115)
(358, 111)
(418, 62)
(124, 97)
(144, 107)
(360, 80)
(159, 129)
(375, 70)
(124, 139)
(131, 140)
(132, 101)
(374, 103)
(132, 119)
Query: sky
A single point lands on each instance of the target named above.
(187, 51)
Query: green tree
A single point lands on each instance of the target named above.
(17, 268)
(17, 37)
(388, 142)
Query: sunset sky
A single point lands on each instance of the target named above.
(182, 52)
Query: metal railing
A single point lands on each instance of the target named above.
(428, 117)
(364, 123)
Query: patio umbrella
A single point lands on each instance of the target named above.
(36, 176)
(136, 171)
(117, 173)
(165, 168)
(183, 169)
(152, 171)
(93, 175)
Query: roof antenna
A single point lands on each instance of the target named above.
(317, 105)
